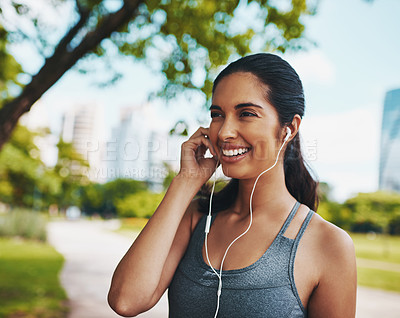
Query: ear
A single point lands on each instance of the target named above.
(294, 127)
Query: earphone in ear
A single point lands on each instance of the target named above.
(288, 134)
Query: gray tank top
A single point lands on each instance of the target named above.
(265, 288)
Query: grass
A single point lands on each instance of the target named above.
(378, 261)
(23, 223)
(29, 284)
(377, 278)
(377, 247)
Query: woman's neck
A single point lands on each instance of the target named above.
(270, 193)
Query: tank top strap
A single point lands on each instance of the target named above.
(289, 218)
(293, 255)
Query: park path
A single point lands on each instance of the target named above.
(91, 254)
(92, 251)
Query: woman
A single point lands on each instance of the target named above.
(267, 254)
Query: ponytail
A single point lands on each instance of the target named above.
(299, 181)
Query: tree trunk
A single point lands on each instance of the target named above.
(60, 62)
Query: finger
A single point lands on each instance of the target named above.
(202, 140)
(200, 152)
(201, 131)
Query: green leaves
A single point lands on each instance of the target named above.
(192, 36)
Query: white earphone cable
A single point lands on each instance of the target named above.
(208, 224)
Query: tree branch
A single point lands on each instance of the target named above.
(60, 62)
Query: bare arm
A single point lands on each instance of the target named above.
(146, 270)
(335, 296)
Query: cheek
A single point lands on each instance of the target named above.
(261, 150)
(264, 149)
(213, 134)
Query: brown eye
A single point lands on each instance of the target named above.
(247, 114)
(215, 114)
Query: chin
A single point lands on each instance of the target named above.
(235, 173)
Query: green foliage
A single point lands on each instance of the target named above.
(24, 179)
(334, 212)
(366, 212)
(9, 69)
(378, 208)
(196, 37)
(121, 188)
(132, 226)
(141, 204)
(72, 170)
(171, 173)
(24, 224)
(102, 198)
(29, 283)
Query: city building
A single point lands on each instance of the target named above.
(389, 165)
(81, 126)
(138, 148)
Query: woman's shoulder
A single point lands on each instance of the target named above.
(193, 212)
(332, 244)
(328, 233)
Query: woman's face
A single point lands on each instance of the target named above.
(244, 126)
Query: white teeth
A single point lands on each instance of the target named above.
(235, 152)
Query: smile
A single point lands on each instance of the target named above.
(234, 152)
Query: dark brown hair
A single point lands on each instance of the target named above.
(285, 93)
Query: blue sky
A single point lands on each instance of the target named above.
(345, 76)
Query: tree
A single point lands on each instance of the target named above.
(189, 39)
(24, 179)
(72, 170)
(102, 199)
(374, 211)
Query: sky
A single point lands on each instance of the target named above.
(345, 75)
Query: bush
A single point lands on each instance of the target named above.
(141, 204)
(394, 226)
(365, 227)
(23, 223)
(373, 211)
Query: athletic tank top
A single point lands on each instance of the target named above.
(265, 288)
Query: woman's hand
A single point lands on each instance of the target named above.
(194, 165)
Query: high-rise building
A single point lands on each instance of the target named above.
(81, 126)
(389, 165)
(137, 151)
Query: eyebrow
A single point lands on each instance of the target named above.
(238, 106)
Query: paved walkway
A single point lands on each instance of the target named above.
(92, 252)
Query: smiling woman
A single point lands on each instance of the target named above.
(261, 251)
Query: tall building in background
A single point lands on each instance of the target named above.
(389, 165)
(135, 150)
(81, 126)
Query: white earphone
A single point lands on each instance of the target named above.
(288, 134)
(208, 222)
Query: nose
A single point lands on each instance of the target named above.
(227, 130)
